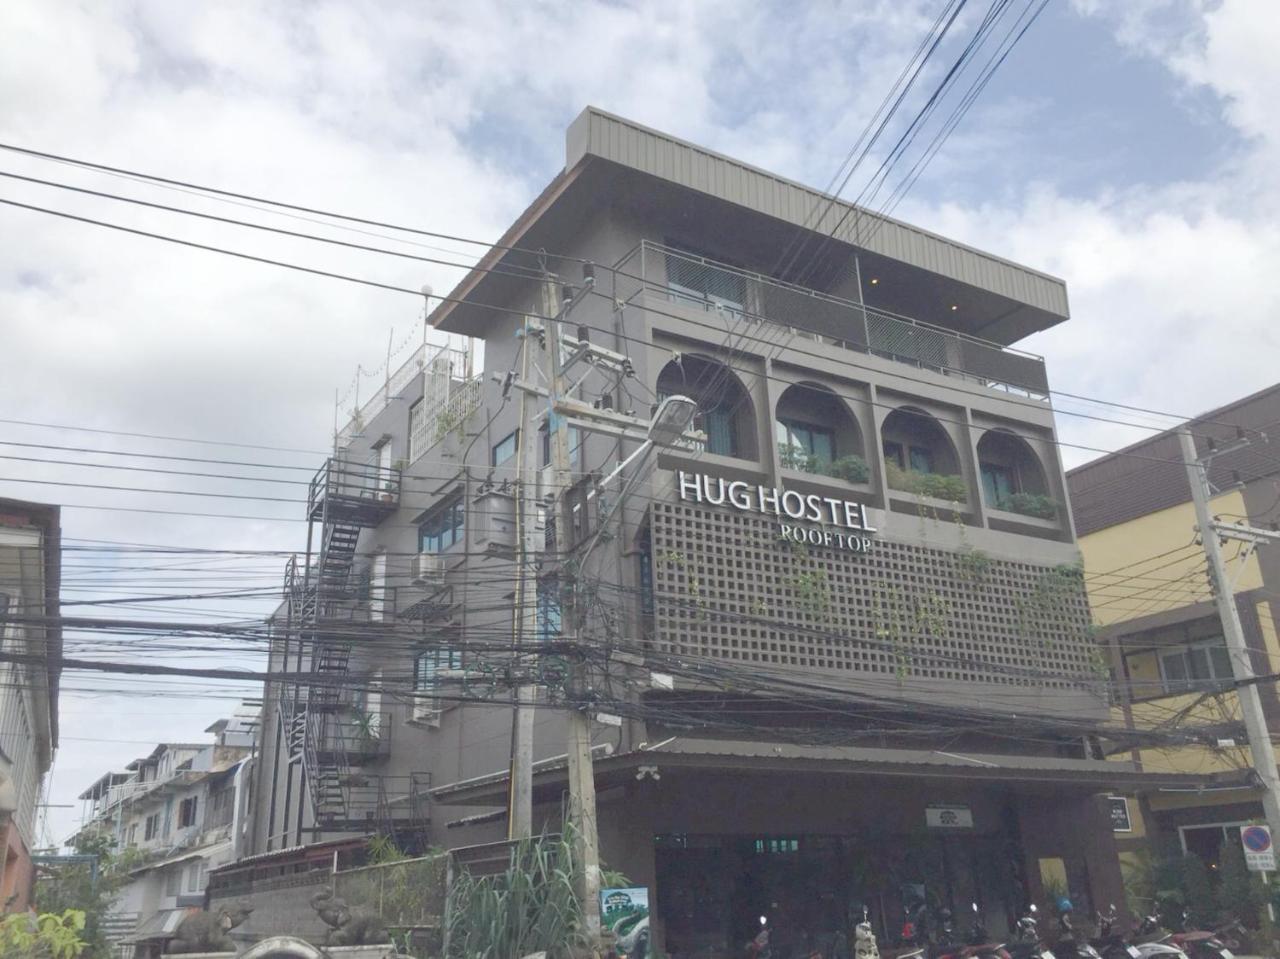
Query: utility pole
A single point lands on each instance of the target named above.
(525, 620)
(1211, 534)
(582, 782)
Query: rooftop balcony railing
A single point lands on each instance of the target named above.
(358, 493)
(685, 279)
(439, 362)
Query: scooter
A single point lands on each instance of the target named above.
(980, 943)
(1069, 945)
(1026, 942)
(1154, 942)
(1109, 943)
(1199, 943)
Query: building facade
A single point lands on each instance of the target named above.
(836, 640)
(179, 812)
(30, 571)
(1150, 593)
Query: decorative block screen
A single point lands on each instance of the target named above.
(912, 619)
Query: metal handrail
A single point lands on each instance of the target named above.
(341, 477)
(419, 360)
(896, 337)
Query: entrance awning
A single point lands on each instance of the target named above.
(1082, 775)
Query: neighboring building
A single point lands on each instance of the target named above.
(183, 810)
(1149, 590)
(30, 571)
(912, 693)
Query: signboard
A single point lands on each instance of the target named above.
(1118, 810)
(802, 518)
(625, 912)
(948, 817)
(1259, 854)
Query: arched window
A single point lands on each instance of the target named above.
(728, 415)
(919, 455)
(1012, 477)
(816, 433)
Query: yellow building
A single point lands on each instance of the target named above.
(1152, 600)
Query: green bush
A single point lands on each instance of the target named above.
(938, 485)
(1240, 894)
(48, 936)
(795, 458)
(1029, 504)
(851, 469)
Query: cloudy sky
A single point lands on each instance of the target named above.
(1128, 146)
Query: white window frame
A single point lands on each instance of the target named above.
(1188, 684)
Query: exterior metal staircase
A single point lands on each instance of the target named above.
(316, 715)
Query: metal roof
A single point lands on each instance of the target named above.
(733, 755)
(1149, 476)
(610, 137)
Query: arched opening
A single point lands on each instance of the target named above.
(728, 415)
(920, 457)
(1012, 477)
(816, 433)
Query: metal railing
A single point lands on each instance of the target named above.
(364, 482)
(449, 412)
(423, 358)
(744, 297)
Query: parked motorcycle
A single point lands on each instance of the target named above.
(1108, 942)
(1154, 942)
(1026, 942)
(1069, 945)
(980, 944)
(1200, 943)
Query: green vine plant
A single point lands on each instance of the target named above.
(680, 561)
(1049, 608)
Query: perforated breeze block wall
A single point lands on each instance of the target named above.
(902, 620)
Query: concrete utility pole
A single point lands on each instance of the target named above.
(582, 782)
(520, 814)
(1211, 532)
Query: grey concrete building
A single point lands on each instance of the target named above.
(837, 646)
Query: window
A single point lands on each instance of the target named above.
(442, 528)
(505, 448)
(221, 808)
(997, 483)
(548, 609)
(417, 430)
(575, 443)
(173, 881)
(428, 666)
(916, 458)
(806, 439)
(187, 812)
(133, 834)
(195, 876)
(1195, 666)
(151, 827)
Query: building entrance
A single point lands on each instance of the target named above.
(714, 893)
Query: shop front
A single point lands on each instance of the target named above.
(728, 837)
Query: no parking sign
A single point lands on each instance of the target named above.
(1259, 854)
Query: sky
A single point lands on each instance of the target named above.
(1130, 147)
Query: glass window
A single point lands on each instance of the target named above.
(548, 610)
(893, 454)
(921, 459)
(417, 430)
(428, 666)
(1196, 666)
(997, 483)
(173, 881)
(193, 877)
(575, 443)
(808, 439)
(442, 528)
(721, 436)
(505, 448)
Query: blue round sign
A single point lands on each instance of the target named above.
(1256, 838)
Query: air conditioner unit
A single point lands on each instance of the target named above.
(427, 569)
